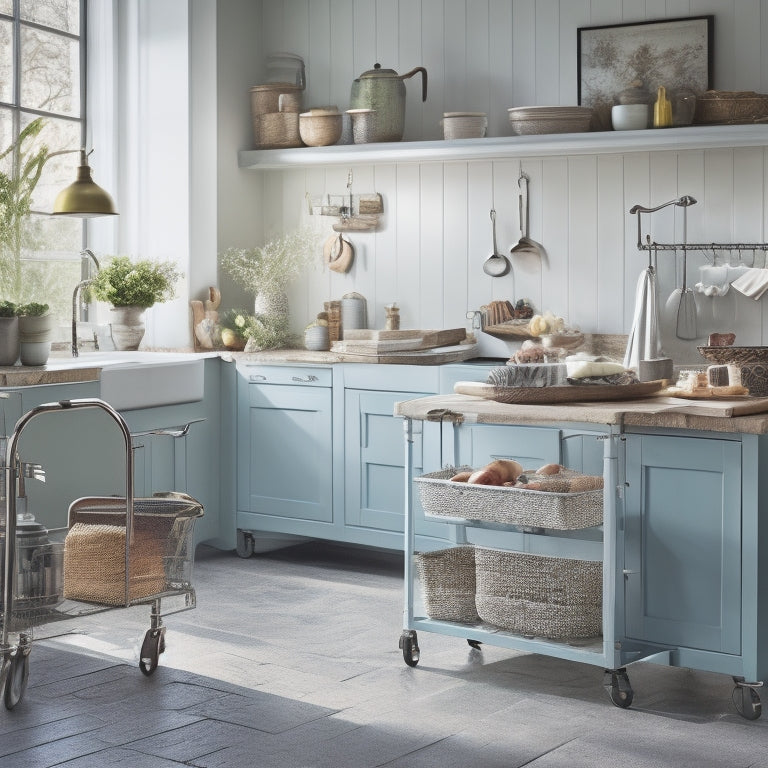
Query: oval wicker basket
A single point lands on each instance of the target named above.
(538, 120)
(735, 355)
(538, 595)
(730, 107)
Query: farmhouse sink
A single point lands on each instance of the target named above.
(131, 380)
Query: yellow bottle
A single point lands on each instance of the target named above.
(662, 109)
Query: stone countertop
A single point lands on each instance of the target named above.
(749, 415)
(64, 369)
(433, 356)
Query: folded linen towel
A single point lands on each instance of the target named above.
(753, 283)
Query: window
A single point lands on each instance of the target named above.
(42, 89)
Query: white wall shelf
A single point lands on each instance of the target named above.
(604, 142)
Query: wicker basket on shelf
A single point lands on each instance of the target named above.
(731, 107)
(511, 506)
(539, 596)
(448, 583)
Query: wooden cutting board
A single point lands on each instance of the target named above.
(376, 342)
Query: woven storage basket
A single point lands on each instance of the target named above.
(94, 562)
(537, 595)
(448, 583)
(731, 107)
(161, 555)
(511, 506)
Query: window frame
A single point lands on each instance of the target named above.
(18, 111)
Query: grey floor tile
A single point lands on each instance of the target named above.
(291, 661)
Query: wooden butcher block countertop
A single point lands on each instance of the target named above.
(748, 415)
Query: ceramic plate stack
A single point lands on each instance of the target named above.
(536, 120)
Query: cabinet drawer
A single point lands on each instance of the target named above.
(295, 375)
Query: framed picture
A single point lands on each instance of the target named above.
(675, 53)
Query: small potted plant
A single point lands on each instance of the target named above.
(132, 287)
(9, 333)
(35, 328)
(266, 272)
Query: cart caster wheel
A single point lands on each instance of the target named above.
(410, 646)
(746, 699)
(244, 546)
(154, 640)
(474, 644)
(616, 683)
(17, 677)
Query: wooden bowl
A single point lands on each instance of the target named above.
(320, 130)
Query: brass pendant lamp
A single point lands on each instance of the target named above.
(83, 198)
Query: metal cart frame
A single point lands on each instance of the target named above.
(14, 662)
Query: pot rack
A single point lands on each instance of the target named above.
(646, 244)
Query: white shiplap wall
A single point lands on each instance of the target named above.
(488, 55)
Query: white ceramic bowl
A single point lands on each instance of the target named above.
(630, 117)
(464, 125)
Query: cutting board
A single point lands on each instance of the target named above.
(372, 342)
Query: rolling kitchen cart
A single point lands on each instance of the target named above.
(113, 552)
(546, 577)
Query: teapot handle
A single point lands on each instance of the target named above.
(423, 80)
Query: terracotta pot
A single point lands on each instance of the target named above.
(127, 326)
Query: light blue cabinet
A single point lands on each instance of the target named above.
(320, 453)
(683, 541)
(82, 452)
(284, 448)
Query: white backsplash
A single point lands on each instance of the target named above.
(488, 55)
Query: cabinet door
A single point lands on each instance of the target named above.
(375, 462)
(284, 451)
(477, 444)
(683, 542)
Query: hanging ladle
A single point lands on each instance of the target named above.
(525, 246)
(497, 264)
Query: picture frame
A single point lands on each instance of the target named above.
(676, 53)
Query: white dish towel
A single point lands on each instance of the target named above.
(753, 283)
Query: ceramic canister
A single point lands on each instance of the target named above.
(353, 311)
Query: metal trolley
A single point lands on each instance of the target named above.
(113, 552)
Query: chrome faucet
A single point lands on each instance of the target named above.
(86, 254)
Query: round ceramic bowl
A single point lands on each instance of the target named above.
(320, 130)
(630, 117)
(464, 125)
(537, 120)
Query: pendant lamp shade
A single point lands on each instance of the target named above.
(84, 198)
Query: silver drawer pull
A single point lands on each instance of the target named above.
(306, 379)
(257, 377)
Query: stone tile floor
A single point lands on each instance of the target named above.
(291, 661)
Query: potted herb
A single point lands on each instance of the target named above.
(132, 287)
(266, 272)
(35, 329)
(9, 333)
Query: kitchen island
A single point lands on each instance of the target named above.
(684, 538)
